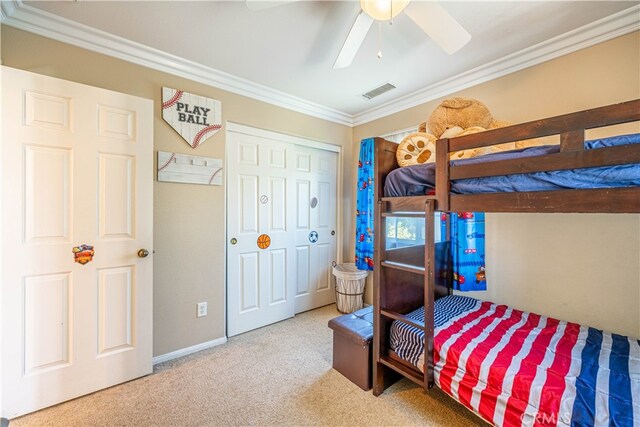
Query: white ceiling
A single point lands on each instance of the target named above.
(291, 48)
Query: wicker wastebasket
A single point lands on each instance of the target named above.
(350, 283)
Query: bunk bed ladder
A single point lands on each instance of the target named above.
(383, 314)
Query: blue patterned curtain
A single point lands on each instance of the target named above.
(467, 249)
(365, 214)
(467, 230)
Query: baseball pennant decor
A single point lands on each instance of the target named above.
(174, 167)
(194, 117)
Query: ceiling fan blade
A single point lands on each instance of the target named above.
(439, 25)
(354, 40)
(256, 5)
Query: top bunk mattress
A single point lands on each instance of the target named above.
(512, 367)
(419, 180)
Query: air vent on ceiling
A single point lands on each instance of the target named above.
(378, 91)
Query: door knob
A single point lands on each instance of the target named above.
(143, 253)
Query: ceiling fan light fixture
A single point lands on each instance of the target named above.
(383, 10)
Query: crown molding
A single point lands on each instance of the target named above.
(28, 18)
(16, 14)
(7, 8)
(618, 24)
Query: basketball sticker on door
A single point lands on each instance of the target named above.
(264, 241)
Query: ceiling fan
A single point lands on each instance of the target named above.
(432, 18)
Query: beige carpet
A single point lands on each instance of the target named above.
(277, 375)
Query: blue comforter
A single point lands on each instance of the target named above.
(419, 179)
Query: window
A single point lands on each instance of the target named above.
(403, 232)
(399, 135)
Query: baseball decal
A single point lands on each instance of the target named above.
(264, 241)
(176, 167)
(194, 117)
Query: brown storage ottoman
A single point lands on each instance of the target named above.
(352, 335)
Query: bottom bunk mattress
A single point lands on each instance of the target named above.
(517, 368)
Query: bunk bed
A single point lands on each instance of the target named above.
(413, 285)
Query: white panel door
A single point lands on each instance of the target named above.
(260, 279)
(76, 169)
(315, 227)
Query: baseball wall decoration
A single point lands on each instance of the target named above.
(194, 117)
(174, 167)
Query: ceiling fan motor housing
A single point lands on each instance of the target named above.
(383, 10)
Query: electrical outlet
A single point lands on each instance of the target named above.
(202, 309)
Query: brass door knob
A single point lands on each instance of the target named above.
(143, 253)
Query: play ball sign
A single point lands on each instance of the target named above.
(194, 117)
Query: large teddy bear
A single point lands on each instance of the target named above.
(457, 115)
(453, 117)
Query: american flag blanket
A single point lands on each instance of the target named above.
(517, 368)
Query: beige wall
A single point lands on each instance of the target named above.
(185, 216)
(583, 268)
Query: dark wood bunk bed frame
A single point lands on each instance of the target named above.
(407, 278)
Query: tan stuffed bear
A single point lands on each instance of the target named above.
(454, 117)
(461, 112)
(458, 117)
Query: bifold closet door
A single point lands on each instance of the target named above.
(77, 181)
(260, 247)
(315, 227)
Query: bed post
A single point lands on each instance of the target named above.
(429, 291)
(385, 162)
(442, 174)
